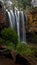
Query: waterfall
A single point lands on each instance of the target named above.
(17, 21)
(10, 21)
(14, 19)
(23, 27)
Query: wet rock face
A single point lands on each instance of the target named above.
(21, 60)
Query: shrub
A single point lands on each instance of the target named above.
(5, 43)
(25, 49)
(9, 34)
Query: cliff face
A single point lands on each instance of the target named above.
(2, 15)
(32, 21)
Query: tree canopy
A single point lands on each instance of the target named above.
(22, 3)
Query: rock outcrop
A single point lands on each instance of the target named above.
(32, 21)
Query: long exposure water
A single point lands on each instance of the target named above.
(11, 25)
(20, 23)
(16, 21)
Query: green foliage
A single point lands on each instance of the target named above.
(26, 49)
(9, 34)
(22, 4)
(20, 48)
(8, 44)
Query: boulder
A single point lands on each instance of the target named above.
(21, 60)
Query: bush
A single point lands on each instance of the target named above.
(5, 43)
(26, 49)
(9, 34)
(23, 49)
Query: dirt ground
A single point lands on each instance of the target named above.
(6, 61)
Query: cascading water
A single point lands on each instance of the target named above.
(10, 21)
(17, 22)
(14, 19)
(23, 28)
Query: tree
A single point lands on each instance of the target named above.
(24, 3)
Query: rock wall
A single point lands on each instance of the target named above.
(2, 15)
(32, 21)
